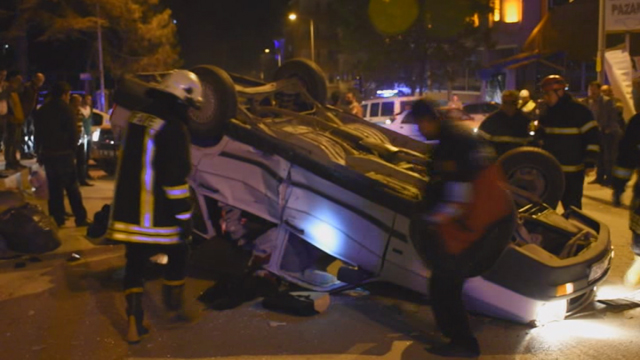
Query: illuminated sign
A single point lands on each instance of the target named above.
(622, 15)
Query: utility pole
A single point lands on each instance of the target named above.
(102, 104)
(601, 43)
(313, 45)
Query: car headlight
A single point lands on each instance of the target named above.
(551, 311)
(95, 136)
(475, 130)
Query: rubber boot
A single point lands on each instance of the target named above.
(135, 318)
(632, 277)
(173, 299)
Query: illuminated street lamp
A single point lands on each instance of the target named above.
(266, 51)
(294, 17)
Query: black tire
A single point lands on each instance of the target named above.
(219, 106)
(536, 171)
(309, 74)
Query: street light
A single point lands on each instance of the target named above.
(293, 17)
(266, 51)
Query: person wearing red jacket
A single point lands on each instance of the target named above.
(473, 219)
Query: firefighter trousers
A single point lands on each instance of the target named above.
(138, 255)
(573, 190)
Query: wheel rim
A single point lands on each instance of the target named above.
(208, 105)
(529, 179)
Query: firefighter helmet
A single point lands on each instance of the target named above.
(525, 93)
(552, 83)
(185, 85)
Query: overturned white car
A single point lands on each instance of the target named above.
(328, 196)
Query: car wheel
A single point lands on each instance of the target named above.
(219, 106)
(535, 171)
(309, 74)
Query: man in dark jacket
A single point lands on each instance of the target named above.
(507, 128)
(628, 161)
(605, 113)
(152, 205)
(569, 132)
(56, 139)
(471, 204)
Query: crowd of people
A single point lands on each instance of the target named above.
(18, 101)
(56, 133)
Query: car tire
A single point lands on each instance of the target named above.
(536, 171)
(220, 103)
(309, 74)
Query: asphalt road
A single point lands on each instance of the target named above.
(55, 309)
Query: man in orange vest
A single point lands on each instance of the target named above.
(473, 217)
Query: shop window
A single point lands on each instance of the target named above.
(511, 11)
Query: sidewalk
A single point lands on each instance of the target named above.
(73, 239)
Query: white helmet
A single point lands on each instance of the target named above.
(524, 93)
(183, 84)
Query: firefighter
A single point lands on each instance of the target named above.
(470, 204)
(507, 128)
(628, 161)
(152, 206)
(569, 132)
(527, 105)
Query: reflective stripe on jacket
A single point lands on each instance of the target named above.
(628, 161)
(152, 197)
(505, 132)
(570, 133)
(468, 183)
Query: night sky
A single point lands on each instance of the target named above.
(231, 34)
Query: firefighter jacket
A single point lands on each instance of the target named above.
(505, 132)
(628, 161)
(569, 132)
(469, 187)
(152, 201)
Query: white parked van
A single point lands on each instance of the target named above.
(380, 110)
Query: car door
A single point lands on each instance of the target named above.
(409, 127)
(337, 221)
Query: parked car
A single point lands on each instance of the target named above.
(381, 110)
(480, 111)
(315, 186)
(405, 123)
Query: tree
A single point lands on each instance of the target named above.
(399, 40)
(138, 35)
